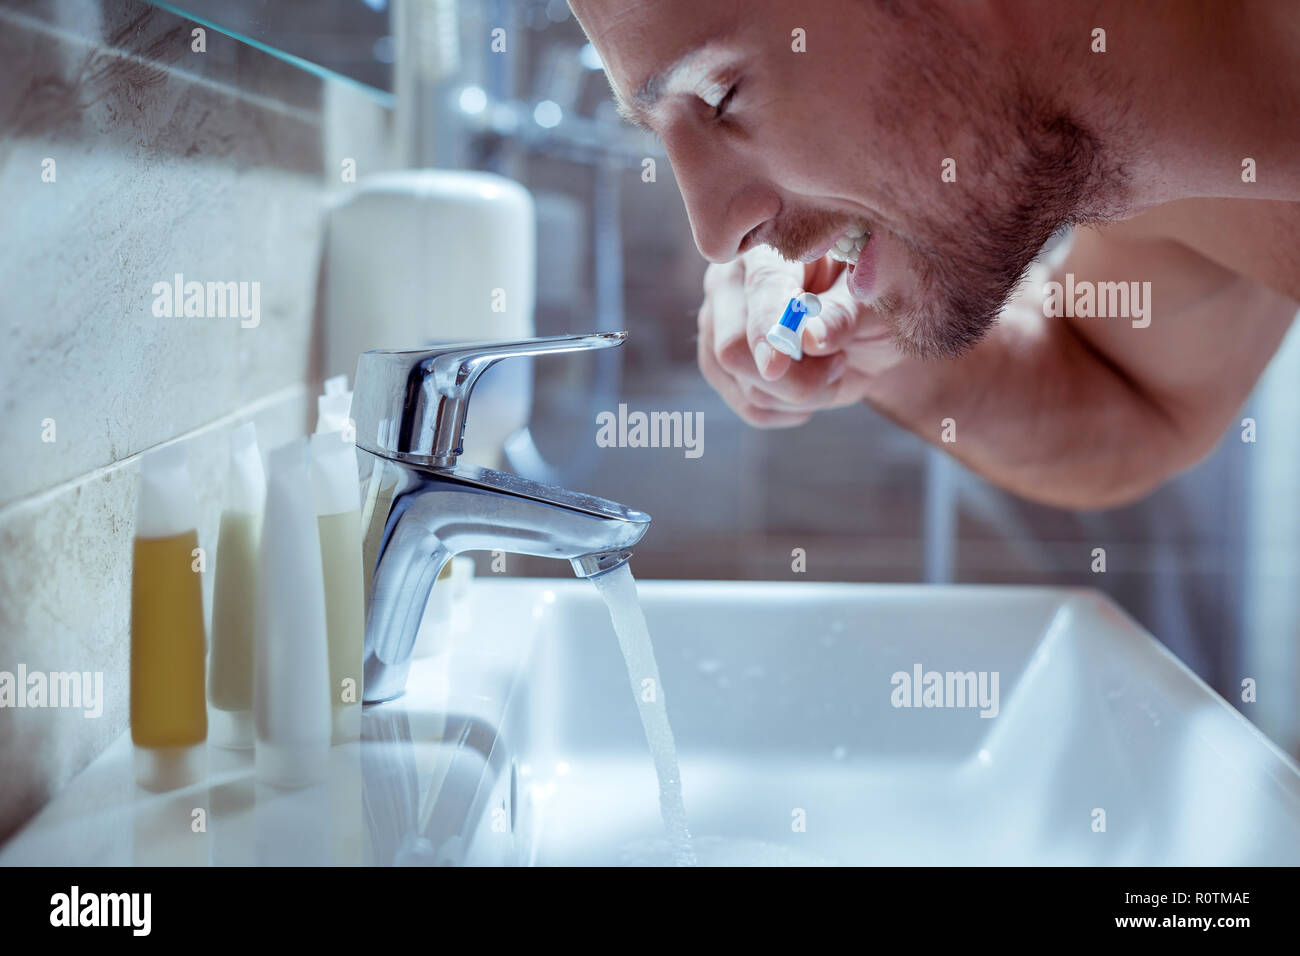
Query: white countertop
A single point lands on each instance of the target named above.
(358, 816)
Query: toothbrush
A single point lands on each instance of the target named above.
(784, 335)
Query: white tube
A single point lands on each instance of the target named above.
(334, 407)
(784, 335)
(230, 658)
(337, 493)
(291, 671)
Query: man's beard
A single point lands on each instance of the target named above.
(1040, 170)
(968, 267)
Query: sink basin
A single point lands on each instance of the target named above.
(782, 704)
(519, 743)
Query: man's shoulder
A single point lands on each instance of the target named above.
(1258, 239)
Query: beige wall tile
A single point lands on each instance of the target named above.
(158, 171)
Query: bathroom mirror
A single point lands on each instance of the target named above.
(355, 39)
(340, 38)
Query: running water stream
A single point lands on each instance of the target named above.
(618, 588)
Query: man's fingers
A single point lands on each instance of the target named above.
(806, 383)
(837, 324)
(769, 283)
(719, 274)
(764, 419)
(728, 309)
(730, 390)
(770, 363)
(764, 387)
(820, 275)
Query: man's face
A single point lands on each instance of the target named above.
(797, 149)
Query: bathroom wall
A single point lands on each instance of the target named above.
(127, 156)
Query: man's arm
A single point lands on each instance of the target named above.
(1092, 412)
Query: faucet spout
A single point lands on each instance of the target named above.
(592, 565)
(419, 517)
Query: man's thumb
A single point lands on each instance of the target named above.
(832, 329)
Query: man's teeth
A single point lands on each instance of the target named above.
(849, 246)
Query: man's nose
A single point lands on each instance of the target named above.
(723, 201)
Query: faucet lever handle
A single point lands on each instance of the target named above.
(410, 404)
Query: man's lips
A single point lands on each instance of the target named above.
(819, 250)
(862, 274)
(828, 242)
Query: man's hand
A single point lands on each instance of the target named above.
(1077, 413)
(842, 346)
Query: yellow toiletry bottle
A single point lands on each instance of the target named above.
(169, 721)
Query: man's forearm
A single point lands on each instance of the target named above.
(1036, 410)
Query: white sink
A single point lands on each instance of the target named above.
(520, 743)
(780, 700)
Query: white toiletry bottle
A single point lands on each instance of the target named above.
(334, 414)
(291, 660)
(337, 493)
(334, 407)
(230, 659)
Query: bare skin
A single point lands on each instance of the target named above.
(1141, 148)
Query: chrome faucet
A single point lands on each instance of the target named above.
(422, 507)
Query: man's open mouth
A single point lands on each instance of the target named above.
(849, 246)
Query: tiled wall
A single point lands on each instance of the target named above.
(165, 160)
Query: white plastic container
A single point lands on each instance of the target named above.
(785, 334)
(291, 670)
(234, 610)
(429, 256)
(334, 407)
(337, 494)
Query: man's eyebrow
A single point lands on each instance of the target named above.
(630, 113)
(646, 96)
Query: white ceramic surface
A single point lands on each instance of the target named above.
(519, 743)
